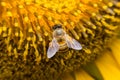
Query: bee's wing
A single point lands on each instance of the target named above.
(53, 48)
(72, 43)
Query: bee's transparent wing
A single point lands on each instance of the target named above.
(53, 48)
(72, 43)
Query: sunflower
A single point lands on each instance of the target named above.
(106, 67)
(27, 30)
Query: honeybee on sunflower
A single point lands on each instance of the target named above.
(43, 39)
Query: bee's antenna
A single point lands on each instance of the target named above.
(56, 26)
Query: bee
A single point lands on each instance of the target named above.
(60, 40)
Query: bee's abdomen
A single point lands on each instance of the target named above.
(63, 47)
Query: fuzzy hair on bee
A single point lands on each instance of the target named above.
(60, 37)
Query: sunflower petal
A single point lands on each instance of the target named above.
(116, 51)
(82, 75)
(93, 70)
(108, 67)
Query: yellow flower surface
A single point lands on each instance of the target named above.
(27, 28)
(108, 65)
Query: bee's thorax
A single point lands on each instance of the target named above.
(58, 33)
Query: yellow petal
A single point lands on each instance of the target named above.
(108, 67)
(82, 75)
(116, 51)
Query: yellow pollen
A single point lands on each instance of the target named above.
(95, 5)
(16, 24)
(110, 4)
(4, 28)
(3, 3)
(39, 17)
(50, 18)
(9, 13)
(0, 31)
(21, 6)
(16, 34)
(93, 14)
(46, 34)
(105, 7)
(26, 19)
(30, 30)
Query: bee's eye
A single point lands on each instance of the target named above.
(57, 26)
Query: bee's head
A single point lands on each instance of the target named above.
(56, 26)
